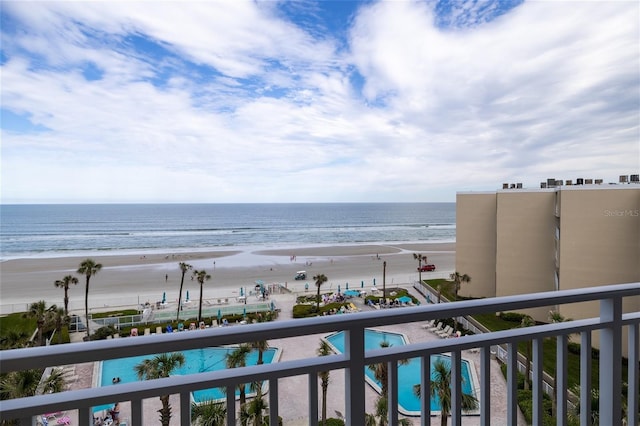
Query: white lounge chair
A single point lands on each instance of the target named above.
(446, 332)
(428, 324)
(438, 327)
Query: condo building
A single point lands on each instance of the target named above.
(563, 235)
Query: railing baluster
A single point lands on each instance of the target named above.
(392, 383)
(313, 399)
(512, 383)
(485, 386)
(456, 388)
(185, 408)
(633, 399)
(610, 360)
(231, 405)
(136, 413)
(561, 380)
(354, 376)
(538, 390)
(425, 389)
(273, 401)
(585, 379)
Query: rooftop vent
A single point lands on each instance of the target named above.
(635, 178)
(624, 178)
(588, 181)
(598, 181)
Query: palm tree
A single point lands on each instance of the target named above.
(457, 279)
(201, 277)
(420, 257)
(527, 321)
(19, 384)
(209, 413)
(158, 367)
(238, 358)
(319, 279)
(381, 371)
(60, 318)
(13, 339)
(43, 316)
(441, 387)
(381, 414)
(253, 410)
(184, 267)
(65, 283)
(324, 350)
(88, 268)
(56, 382)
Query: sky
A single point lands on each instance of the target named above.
(234, 101)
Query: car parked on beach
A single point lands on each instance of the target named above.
(427, 268)
(301, 275)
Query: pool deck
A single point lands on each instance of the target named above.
(291, 388)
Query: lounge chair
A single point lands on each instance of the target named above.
(134, 332)
(428, 324)
(448, 330)
(437, 327)
(180, 327)
(147, 331)
(158, 330)
(169, 329)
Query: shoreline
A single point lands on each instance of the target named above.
(134, 278)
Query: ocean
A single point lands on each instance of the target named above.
(87, 229)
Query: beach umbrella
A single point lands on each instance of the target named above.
(244, 312)
(187, 295)
(219, 314)
(164, 297)
(374, 282)
(241, 291)
(347, 286)
(361, 284)
(273, 306)
(338, 288)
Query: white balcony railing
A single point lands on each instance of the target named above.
(609, 324)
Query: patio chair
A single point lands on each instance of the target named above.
(428, 324)
(437, 327)
(448, 330)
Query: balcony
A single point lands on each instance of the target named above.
(610, 325)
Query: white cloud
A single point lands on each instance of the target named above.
(270, 113)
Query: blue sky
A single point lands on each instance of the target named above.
(313, 101)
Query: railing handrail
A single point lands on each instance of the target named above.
(19, 359)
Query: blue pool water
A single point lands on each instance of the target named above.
(196, 361)
(409, 374)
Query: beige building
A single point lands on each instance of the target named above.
(557, 237)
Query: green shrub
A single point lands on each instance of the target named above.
(103, 332)
(303, 311)
(512, 316)
(335, 422)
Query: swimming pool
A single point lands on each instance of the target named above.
(409, 374)
(196, 361)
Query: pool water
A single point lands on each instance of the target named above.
(196, 361)
(409, 374)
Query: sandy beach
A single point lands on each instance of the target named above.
(133, 279)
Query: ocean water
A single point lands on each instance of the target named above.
(63, 230)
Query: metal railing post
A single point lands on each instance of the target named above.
(313, 399)
(354, 377)
(610, 361)
(585, 379)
